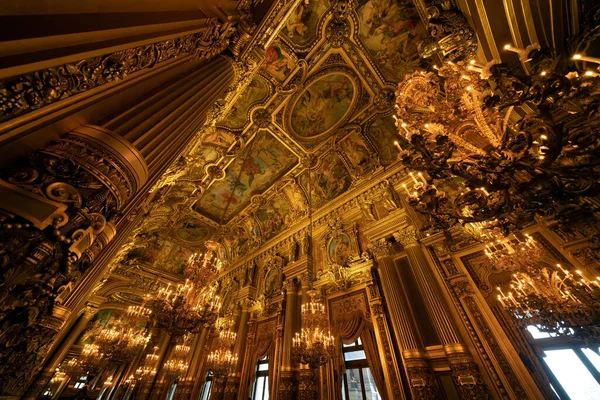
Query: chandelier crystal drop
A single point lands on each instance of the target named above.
(501, 149)
(554, 300)
(314, 345)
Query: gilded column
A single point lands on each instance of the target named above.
(464, 370)
(164, 347)
(248, 363)
(420, 377)
(44, 377)
(391, 370)
(287, 386)
(232, 390)
(57, 210)
(193, 373)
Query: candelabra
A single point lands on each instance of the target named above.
(314, 345)
(556, 301)
(494, 145)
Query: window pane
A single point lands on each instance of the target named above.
(263, 367)
(348, 345)
(343, 390)
(266, 395)
(574, 377)
(593, 357)
(536, 333)
(370, 388)
(206, 390)
(358, 341)
(355, 355)
(260, 385)
(354, 384)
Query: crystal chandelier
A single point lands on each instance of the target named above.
(314, 345)
(121, 342)
(554, 300)
(185, 308)
(513, 252)
(223, 360)
(497, 146)
(177, 365)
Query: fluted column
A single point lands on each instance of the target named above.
(458, 356)
(59, 354)
(233, 390)
(391, 369)
(287, 386)
(164, 346)
(420, 377)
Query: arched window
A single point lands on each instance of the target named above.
(260, 389)
(357, 380)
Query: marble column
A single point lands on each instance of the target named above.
(420, 376)
(460, 361)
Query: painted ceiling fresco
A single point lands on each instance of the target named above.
(323, 90)
(263, 161)
(322, 105)
(391, 29)
(301, 26)
(256, 91)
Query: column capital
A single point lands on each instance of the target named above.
(381, 248)
(407, 237)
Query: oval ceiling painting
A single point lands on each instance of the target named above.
(322, 105)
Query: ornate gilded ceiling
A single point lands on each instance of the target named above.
(322, 96)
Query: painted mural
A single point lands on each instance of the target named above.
(264, 160)
(330, 180)
(256, 91)
(277, 63)
(322, 105)
(301, 26)
(383, 132)
(192, 230)
(152, 249)
(207, 154)
(218, 137)
(274, 216)
(391, 29)
(358, 153)
(99, 321)
(338, 249)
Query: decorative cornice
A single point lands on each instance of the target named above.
(28, 92)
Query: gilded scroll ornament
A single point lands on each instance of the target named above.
(89, 175)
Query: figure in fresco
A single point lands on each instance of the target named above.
(383, 132)
(322, 105)
(339, 249)
(192, 231)
(388, 29)
(277, 63)
(357, 152)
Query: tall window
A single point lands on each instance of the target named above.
(207, 386)
(260, 390)
(573, 367)
(357, 381)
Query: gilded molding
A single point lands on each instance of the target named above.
(35, 90)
